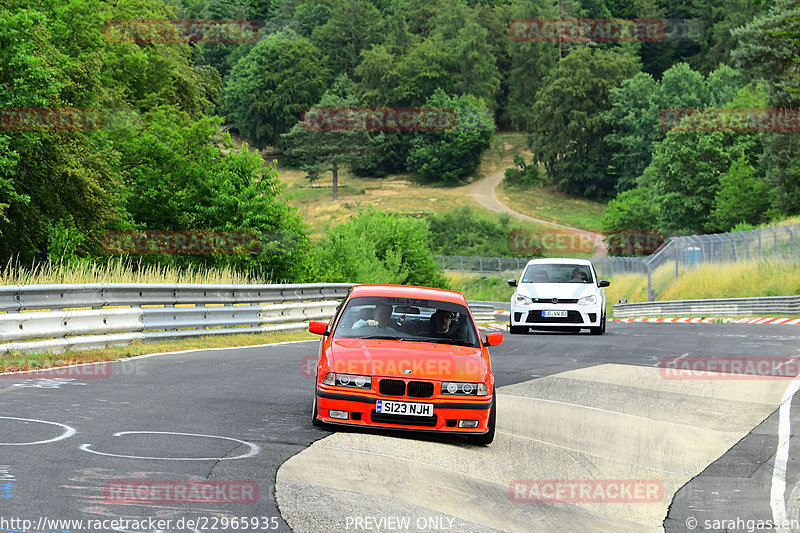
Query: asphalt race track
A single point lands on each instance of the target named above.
(571, 407)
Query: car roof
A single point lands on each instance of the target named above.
(559, 260)
(408, 291)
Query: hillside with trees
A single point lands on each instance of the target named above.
(593, 112)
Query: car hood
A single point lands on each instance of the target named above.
(425, 360)
(556, 290)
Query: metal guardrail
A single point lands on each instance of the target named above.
(54, 318)
(482, 311)
(718, 306)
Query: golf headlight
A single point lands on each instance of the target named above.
(348, 380)
(465, 389)
(588, 300)
(522, 299)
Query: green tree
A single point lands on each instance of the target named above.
(640, 108)
(631, 213)
(742, 197)
(47, 176)
(568, 124)
(322, 151)
(451, 154)
(685, 174)
(353, 26)
(269, 88)
(530, 63)
(635, 130)
(182, 180)
(765, 53)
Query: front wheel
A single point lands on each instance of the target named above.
(487, 437)
(314, 420)
(601, 328)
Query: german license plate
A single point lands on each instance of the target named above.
(554, 314)
(404, 408)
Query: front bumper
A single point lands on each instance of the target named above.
(582, 316)
(446, 412)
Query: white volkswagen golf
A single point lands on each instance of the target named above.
(561, 294)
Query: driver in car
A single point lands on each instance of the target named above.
(578, 274)
(440, 323)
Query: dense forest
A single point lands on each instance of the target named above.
(593, 112)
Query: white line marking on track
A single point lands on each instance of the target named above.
(68, 432)
(254, 449)
(777, 494)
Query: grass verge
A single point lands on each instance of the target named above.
(547, 203)
(476, 287)
(15, 361)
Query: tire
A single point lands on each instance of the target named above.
(600, 329)
(517, 330)
(314, 420)
(488, 437)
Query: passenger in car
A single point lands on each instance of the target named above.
(380, 317)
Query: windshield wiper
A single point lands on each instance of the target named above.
(385, 338)
(446, 340)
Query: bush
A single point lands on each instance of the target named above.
(465, 232)
(524, 176)
(378, 247)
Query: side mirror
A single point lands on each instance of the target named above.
(512, 283)
(494, 339)
(320, 328)
(604, 283)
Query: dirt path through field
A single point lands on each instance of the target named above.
(484, 192)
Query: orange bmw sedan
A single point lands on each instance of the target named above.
(408, 358)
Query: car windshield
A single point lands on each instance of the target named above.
(377, 317)
(557, 273)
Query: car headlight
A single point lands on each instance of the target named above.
(465, 389)
(588, 300)
(522, 299)
(348, 380)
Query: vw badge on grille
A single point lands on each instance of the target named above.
(555, 301)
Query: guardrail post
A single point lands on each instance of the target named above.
(499, 269)
(650, 296)
(461, 257)
(480, 264)
(791, 242)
